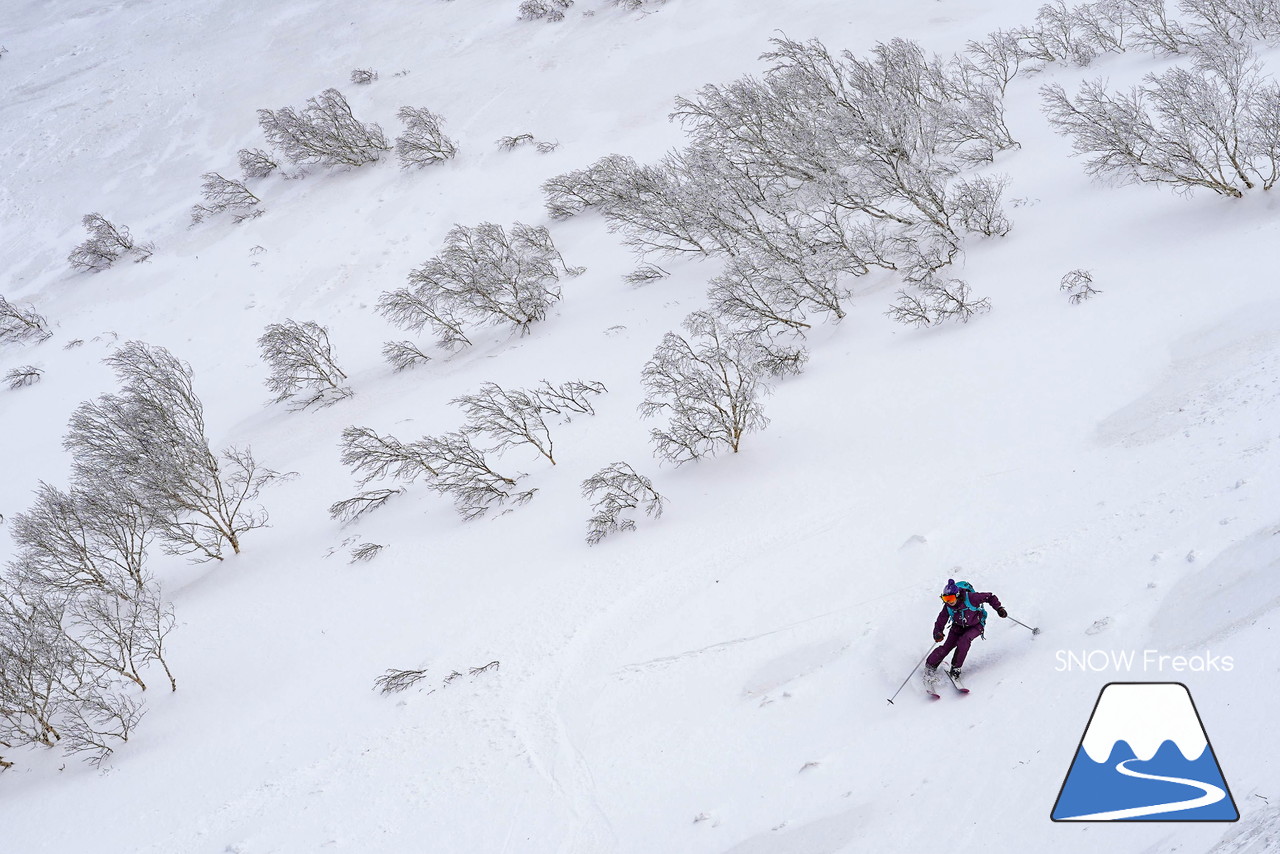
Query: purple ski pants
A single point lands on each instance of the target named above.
(958, 639)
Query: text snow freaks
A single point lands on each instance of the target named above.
(1146, 661)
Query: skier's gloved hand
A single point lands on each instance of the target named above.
(937, 637)
(1002, 612)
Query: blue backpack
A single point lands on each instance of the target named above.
(963, 604)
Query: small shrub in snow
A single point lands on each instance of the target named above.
(508, 143)
(616, 489)
(709, 386)
(256, 163)
(302, 365)
(363, 76)
(644, 274)
(107, 243)
(1214, 125)
(23, 376)
(549, 10)
(223, 194)
(365, 552)
(547, 147)
(1078, 285)
(422, 142)
(403, 355)
(759, 295)
(323, 132)
(575, 191)
(484, 275)
(395, 681)
(19, 324)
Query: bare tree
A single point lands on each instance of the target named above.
(463, 474)
(1212, 125)
(451, 465)
(22, 376)
(372, 457)
(1232, 21)
(1078, 285)
(422, 142)
(575, 191)
(154, 431)
(935, 301)
(1152, 29)
(710, 389)
(363, 76)
(107, 243)
(482, 276)
(224, 194)
(508, 418)
(323, 132)
(616, 489)
(302, 365)
(256, 163)
(19, 324)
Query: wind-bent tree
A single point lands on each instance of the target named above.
(323, 132)
(423, 142)
(224, 194)
(107, 243)
(616, 489)
(19, 324)
(154, 431)
(483, 276)
(302, 366)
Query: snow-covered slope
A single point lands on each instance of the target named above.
(716, 680)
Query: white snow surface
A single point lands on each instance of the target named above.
(714, 681)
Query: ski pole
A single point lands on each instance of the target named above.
(912, 673)
(1024, 625)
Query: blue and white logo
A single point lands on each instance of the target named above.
(1145, 757)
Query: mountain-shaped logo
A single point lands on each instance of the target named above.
(1145, 756)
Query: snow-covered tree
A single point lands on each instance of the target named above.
(153, 431)
(935, 300)
(709, 386)
(423, 142)
(323, 132)
(302, 366)
(483, 276)
(363, 76)
(1214, 125)
(616, 489)
(107, 243)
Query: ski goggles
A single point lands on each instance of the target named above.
(950, 599)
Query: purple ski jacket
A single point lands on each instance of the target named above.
(964, 617)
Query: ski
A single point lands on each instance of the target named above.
(931, 686)
(955, 680)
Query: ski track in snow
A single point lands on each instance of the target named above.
(1212, 794)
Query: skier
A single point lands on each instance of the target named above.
(962, 605)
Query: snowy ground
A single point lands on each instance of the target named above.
(715, 681)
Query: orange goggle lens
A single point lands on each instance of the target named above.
(950, 600)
